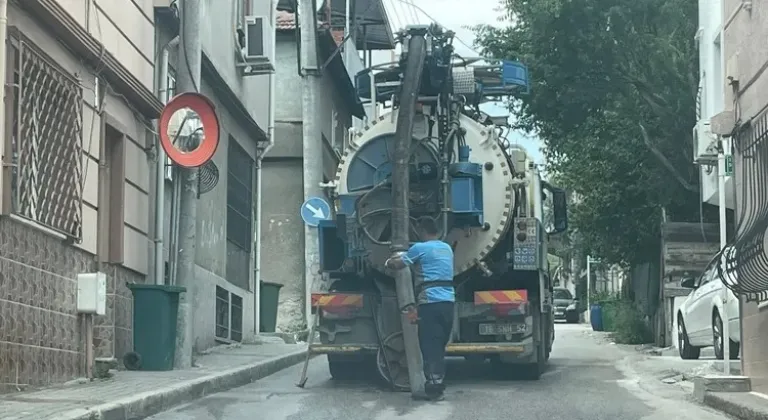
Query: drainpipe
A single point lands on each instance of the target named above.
(3, 36)
(174, 219)
(271, 138)
(159, 257)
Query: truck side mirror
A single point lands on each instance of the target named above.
(560, 210)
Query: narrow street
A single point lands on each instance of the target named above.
(587, 380)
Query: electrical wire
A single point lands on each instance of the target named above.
(471, 48)
(99, 96)
(183, 43)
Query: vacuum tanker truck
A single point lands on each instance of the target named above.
(486, 194)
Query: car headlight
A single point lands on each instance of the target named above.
(571, 307)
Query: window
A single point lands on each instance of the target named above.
(708, 275)
(718, 94)
(111, 194)
(240, 169)
(239, 196)
(44, 138)
(243, 8)
(229, 316)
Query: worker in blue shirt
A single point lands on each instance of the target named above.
(431, 263)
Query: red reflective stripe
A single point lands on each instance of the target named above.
(494, 297)
(326, 300)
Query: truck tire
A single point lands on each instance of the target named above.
(344, 369)
(533, 371)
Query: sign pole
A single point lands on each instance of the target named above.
(725, 335)
(189, 65)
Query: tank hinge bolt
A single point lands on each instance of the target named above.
(486, 227)
(488, 166)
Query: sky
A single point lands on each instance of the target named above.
(456, 15)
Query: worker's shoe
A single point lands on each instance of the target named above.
(434, 387)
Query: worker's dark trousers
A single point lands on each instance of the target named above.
(435, 325)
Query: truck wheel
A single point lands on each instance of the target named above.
(343, 369)
(533, 371)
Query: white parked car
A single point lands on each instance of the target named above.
(700, 321)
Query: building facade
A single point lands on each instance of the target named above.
(710, 99)
(746, 82)
(78, 192)
(75, 179)
(224, 289)
(283, 231)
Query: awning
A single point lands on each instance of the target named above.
(337, 71)
(373, 30)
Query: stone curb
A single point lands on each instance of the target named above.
(145, 404)
(713, 400)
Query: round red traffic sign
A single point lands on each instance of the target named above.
(204, 108)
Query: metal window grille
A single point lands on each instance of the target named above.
(236, 318)
(240, 168)
(222, 313)
(46, 143)
(743, 264)
(229, 316)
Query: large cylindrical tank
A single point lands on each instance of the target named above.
(366, 162)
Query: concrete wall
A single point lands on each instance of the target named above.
(40, 340)
(125, 28)
(219, 44)
(214, 252)
(282, 230)
(712, 87)
(746, 62)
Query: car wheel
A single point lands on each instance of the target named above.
(717, 339)
(687, 351)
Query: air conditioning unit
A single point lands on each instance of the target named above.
(255, 55)
(704, 144)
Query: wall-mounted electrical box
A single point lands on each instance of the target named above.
(92, 293)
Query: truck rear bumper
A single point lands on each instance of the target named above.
(342, 348)
(522, 348)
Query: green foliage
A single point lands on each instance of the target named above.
(614, 86)
(625, 321)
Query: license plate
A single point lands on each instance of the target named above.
(501, 329)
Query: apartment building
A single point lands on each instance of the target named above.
(78, 186)
(745, 121)
(224, 287)
(75, 179)
(284, 258)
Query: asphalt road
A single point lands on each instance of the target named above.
(587, 379)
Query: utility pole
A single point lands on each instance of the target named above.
(406, 299)
(188, 80)
(312, 145)
(725, 335)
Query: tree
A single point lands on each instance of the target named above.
(614, 86)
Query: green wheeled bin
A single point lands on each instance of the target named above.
(155, 312)
(269, 294)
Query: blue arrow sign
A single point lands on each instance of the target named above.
(314, 210)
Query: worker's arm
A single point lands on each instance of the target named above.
(404, 259)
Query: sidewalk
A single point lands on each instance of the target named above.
(737, 402)
(132, 395)
(740, 405)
